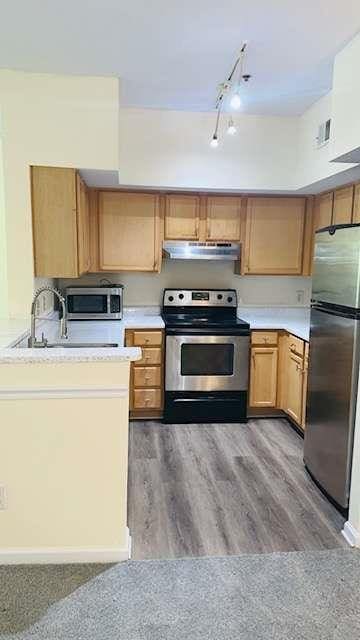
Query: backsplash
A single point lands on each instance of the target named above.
(147, 288)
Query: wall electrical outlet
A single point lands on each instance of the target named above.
(3, 497)
(300, 296)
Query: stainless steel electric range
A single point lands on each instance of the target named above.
(207, 356)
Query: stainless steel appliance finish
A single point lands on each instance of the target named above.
(225, 298)
(94, 303)
(183, 250)
(334, 361)
(336, 273)
(207, 356)
(332, 389)
(206, 363)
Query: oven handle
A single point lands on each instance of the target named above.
(207, 332)
(208, 399)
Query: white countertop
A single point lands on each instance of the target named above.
(295, 320)
(13, 332)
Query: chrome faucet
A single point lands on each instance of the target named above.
(32, 341)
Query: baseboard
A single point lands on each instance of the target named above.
(66, 555)
(351, 535)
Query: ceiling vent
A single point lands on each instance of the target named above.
(323, 136)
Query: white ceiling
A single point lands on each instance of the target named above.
(172, 54)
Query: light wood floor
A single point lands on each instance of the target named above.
(226, 489)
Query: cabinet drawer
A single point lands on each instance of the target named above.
(264, 338)
(150, 355)
(147, 399)
(147, 338)
(296, 345)
(147, 376)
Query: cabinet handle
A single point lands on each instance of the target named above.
(265, 340)
(253, 359)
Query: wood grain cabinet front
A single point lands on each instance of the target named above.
(263, 377)
(129, 231)
(274, 236)
(60, 217)
(343, 205)
(182, 217)
(323, 210)
(223, 218)
(147, 374)
(356, 207)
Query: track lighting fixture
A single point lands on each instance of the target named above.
(230, 89)
(235, 101)
(231, 130)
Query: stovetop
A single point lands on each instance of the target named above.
(203, 320)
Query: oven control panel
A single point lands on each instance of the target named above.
(200, 297)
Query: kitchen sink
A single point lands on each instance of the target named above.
(81, 345)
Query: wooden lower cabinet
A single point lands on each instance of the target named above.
(294, 380)
(263, 376)
(147, 374)
(278, 373)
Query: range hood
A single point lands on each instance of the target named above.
(183, 250)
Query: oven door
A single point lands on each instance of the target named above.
(207, 363)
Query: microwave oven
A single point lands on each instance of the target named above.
(94, 303)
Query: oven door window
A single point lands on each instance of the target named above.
(207, 359)
(87, 304)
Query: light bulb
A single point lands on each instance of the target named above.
(214, 141)
(231, 127)
(235, 101)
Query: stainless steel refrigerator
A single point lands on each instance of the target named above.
(334, 360)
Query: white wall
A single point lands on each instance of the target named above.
(171, 149)
(52, 120)
(3, 247)
(147, 288)
(346, 100)
(313, 162)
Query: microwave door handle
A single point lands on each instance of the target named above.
(108, 297)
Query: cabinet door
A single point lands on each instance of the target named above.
(356, 210)
(305, 383)
(182, 217)
(223, 218)
(323, 210)
(83, 225)
(54, 209)
(294, 390)
(343, 205)
(274, 236)
(129, 230)
(263, 376)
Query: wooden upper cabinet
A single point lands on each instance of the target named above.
(60, 222)
(263, 376)
(274, 236)
(356, 208)
(343, 205)
(323, 210)
(129, 231)
(182, 217)
(223, 218)
(83, 225)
